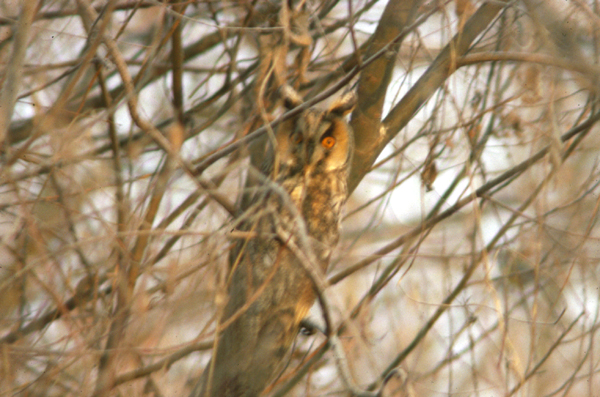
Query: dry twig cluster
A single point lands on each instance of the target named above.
(468, 261)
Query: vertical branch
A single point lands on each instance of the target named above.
(128, 270)
(177, 63)
(374, 81)
(12, 76)
(122, 207)
(127, 275)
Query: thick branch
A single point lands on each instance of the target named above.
(375, 78)
(374, 140)
(12, 78)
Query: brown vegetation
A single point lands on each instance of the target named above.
(468, 258)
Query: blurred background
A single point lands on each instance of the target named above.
(468, 264)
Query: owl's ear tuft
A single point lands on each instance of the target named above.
(344, 104)
(290, 96)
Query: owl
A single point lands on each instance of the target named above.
(270, 292)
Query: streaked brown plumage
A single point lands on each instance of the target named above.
(270, 291)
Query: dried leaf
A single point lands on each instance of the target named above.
(429, 175)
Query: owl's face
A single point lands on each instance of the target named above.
(316, 141)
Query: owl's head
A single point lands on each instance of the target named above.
(315, 141)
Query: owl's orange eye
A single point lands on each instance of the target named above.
(328, 142)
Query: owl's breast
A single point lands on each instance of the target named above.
(322, 207)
